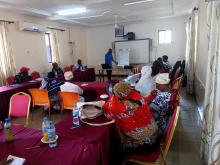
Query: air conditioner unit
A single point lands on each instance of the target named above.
(27, 26)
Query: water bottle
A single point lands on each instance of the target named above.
(110, 89)
(76, 122)
(52, 135)
(8, 130)
(45, 128)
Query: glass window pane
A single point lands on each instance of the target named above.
(164, 36)
(48, 48)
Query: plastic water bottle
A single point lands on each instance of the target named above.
(52, 135)
(110, 89)
(8, 131)
(76, 122)
(45, 124)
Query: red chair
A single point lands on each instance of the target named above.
(10, 80)
(35, 75)
(20, 106)
(158, 157)
(67, 68)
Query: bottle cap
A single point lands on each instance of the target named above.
(45, 118)
(7, 120)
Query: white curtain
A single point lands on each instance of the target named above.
(210, 147)
(7, 67)
(54, 46)
(191, 46)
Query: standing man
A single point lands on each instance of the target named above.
(108, 63)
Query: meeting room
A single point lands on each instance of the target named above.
(109, 82)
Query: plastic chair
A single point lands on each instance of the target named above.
(20, 106)
(35, 75)
(68, 99)
(40, 97)
(158, 157)
(10, 80)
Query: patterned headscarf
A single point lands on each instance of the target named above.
(122, 90)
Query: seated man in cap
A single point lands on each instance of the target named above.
(159, 101)
(70, 87)
(23, 76)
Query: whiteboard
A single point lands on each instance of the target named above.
(123, 57)
(139, 50)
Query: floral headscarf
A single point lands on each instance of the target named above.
(121, 90)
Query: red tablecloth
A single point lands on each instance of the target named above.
(7, 91)
(87, 75)
(86, 145)
(92, 90)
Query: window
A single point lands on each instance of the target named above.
(164, 36)
(48, 47)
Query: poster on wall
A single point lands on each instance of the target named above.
(119, 31)
(123, 57)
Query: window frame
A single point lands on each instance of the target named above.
(159, 36)
(48, 36)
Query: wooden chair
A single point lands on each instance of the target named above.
(176, 84)
(20, 106)
(68, 99)
(40, 98)
(158, 157)
(10, 80)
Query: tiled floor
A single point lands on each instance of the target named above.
(184, 149)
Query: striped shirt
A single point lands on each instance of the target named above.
(53, 86)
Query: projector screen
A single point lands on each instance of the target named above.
(139, 50)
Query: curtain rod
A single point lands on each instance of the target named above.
(7, 21)
(62, 30)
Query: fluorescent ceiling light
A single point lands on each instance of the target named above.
(72, 11)
(92, 16)
(137, 2)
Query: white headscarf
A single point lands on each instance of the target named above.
(163, 78)
(146, 83)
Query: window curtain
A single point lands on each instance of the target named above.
(7, 66)
(191, 46)
(210, 147)
(54, 46)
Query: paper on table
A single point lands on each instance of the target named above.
(16, 160)
(84, 84)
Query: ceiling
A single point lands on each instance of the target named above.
(99, 12)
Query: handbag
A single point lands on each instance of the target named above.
(91, 110)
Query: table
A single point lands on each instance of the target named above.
(92, 90)
(86, 145)
(86, 76)
(7, 91)
(124, 70)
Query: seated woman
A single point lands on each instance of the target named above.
(160, 101)
(146, 83)
(23, 76)
(136, 126)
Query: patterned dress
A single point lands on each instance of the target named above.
(133, 119)
(160, 104)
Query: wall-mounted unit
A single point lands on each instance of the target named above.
(27, 26)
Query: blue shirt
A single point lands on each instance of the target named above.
(108, 59)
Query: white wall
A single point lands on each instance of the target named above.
(99, 39)
(29, 47)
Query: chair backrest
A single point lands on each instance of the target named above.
(10, 80)
(39, 97)
(68, 99)
(67, 68)
(35, 75)
(176, 84)
(20, 106)
(170, 131)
